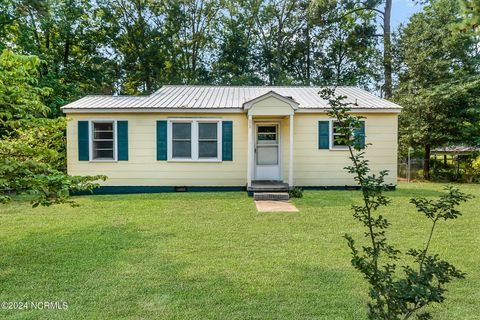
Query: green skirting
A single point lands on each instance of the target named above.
(161, 189)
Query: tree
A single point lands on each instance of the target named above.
(32, 148)
(69, 39)
(393, 294)
(471, 13)
(276, 23)
(438, 80)
(347, 53)
(348, 8)
(236, 59)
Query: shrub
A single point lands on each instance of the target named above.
(296, 192)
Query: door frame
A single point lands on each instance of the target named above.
(260, 122)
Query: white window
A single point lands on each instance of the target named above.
(337, 139)
(102, 140)
(194, 140)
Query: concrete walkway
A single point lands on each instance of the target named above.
(275, 206)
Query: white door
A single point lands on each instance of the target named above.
(267, 151)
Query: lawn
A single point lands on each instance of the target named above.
(212, 256)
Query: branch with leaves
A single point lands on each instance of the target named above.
(394, 295)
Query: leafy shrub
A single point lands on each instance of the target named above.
(296, 192)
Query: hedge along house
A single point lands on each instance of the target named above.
(218, 137)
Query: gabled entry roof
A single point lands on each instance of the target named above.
(289, 100)
(225, 99)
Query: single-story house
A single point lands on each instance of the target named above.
(186, 137)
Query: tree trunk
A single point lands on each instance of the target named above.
(426, 163)
(66, 53)
(387, 50)
(445, 159)
(308, 52)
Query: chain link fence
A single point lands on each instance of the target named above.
(410, 171)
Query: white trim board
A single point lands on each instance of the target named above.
(214, 110)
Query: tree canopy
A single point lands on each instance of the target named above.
(439, 82)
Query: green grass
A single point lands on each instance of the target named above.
(212, 256)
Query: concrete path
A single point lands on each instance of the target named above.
(275, 206)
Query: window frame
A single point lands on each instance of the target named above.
(332, 136)
(91, 136)
(194, 139)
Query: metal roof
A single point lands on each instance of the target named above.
(227, 97)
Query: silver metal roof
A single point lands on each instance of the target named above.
(227, 97)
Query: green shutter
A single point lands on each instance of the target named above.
(83, 143)
(122, 140)
(360, 135)
(162, 140)
(227, 141)
(323, 134)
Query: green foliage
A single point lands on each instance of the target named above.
(32, 147)
(439, 86)
(134, 47)
(471, 14)
(296, 192)
(394, 294)
(20, 98)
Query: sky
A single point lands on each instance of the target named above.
(402, 10)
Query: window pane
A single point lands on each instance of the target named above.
(267, 129)
(207, 131)
(207, 149)
(103, 144)
(268, 136)
(182, 149)
(337, 136)
(103, 154)
(102, 130)
(336, 141)
(102, 149)
(267, 155)
(103, 126)
(182, 130)
(103, 135)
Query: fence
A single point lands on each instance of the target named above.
(412, 171)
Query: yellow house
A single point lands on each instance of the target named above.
(223, 137)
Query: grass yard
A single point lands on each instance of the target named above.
(212, 256)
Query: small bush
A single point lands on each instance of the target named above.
(296, 193)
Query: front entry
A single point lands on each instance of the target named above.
(267, 151)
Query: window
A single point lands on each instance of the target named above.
(207, 140)
(337, 138)
(267, 134)
(103, 140)
(195, 140)
(181, 140)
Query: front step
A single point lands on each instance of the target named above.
(271, 196)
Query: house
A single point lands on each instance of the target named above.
(223, 137)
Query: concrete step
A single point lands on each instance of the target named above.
(271, 196)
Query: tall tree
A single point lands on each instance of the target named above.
(438, 80)
(66, 36)
(382, 11)
(276, 23)
(348, 52)
(236, 59)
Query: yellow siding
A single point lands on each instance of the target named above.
(270, 106)
(321, 167)
(312, 167)
(142, 168)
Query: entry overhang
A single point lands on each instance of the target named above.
(271, 104)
